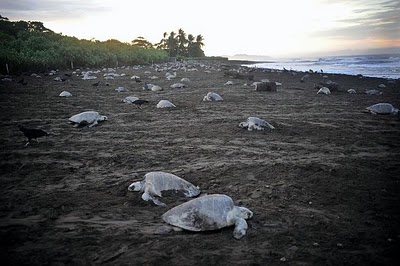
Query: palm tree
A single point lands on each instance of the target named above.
(182, 41)
(172, 44)
(199, 40)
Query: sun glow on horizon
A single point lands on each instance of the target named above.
(273, 28)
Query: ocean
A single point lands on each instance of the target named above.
(382, 66)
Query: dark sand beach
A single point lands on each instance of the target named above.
(323, 186)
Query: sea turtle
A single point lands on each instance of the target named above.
(121, 89)
(65, 94)
(165, 104)
(383, 109)
(209, 212)
(154, 183)
(373, 92)
(324, 90)
(90, 118)
(212, 96)
(255, 123)
(130, 99)
(178, 86)
(156, 88)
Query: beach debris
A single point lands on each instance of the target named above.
(165, 104)
(121, 89)
(185, 80)
(212, 96)
(352, 91)
(32, 133)
(209, 212)
(154, 183)
(130, 99)
(255, 123)
(383, 109)
(324, 90)
(265, 86)
(90, 118)
(373, 92)
(229, 83)
(382, 86)
(135, 77)
(65, 94)
(178, 86)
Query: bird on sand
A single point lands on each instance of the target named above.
(32, 133)
(139, 102)
(137, 80)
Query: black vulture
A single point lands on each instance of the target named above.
(139, 102)
(32, 133)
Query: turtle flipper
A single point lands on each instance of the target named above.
(240, 228)
(94, 123)
(147, 196)
(158, 203)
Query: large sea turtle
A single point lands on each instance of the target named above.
(324, 90)
(154, 183)
(90, 118)
(165, 104)
(65, 94)
(209, 212)
(383, 109)
(255, 123)
(212, 96)
(130, 99)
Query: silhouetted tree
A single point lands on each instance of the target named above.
(142, 42)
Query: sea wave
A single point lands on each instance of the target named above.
(382, 66)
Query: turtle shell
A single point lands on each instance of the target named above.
(130, 99)
(65, 94)
(209, 212)
(85, 117)
(212, 96)
(382, 108)
(165, 104)
(161, 181)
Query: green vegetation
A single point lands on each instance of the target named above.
(30, 46)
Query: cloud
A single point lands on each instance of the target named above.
(50, 9)
(369, 19)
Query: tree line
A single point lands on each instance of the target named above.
(30, 46)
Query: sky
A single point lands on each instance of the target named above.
(276, 28)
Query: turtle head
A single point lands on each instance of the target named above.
(136, 186)
(244, 213)
(103, 118)
(243, 124)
